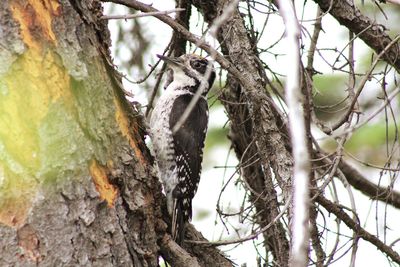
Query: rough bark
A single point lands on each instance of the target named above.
(77, 186)
(178, 45)
(87, 192)
(256, 128)
(260, 185)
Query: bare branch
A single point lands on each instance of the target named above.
(176, 255)
(206, 255)
(371, 116)
(190, 37)
(250, 237)
(158, 81)
(362, 233)
(301, 168)
(141, 15)
(213, 30)
(359, 182)
(347, 14)
(313, 45)
(361, 86)
(155, 89)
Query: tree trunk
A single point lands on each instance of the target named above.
(257, 134)
(77, 186)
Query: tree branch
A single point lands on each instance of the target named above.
(175, 255)
(359, 182)
(360, 87)
(190, 37)
(361, 232)
(134, 16)
(206, 255)
(301, 168)
(347, 14)
(254, 117)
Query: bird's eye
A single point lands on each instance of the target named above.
(197, 64)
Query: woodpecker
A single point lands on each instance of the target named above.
(179, 153)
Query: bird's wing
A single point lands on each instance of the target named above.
(188, 146)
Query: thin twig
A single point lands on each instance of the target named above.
(361, 86)
(141, 15)
(359, 182)
(191, 38)
(228, 11)
(155, 90)
(314, 41)
(249, 237)
(348, 15)
(370, 165)
(359, 125)
(354, 37)
(334, 250)
(342, 215)
(158, 81)
(141, 80)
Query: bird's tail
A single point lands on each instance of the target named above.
(178, 221)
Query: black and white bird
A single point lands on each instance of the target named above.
(179, 153)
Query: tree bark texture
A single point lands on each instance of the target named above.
(77, 184)
(257, 129)
(257, 133)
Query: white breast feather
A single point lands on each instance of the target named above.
(161, 134)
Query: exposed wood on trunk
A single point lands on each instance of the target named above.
(84, 191)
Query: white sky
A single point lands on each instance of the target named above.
(213, 178)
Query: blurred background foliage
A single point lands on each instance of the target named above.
(136, 42)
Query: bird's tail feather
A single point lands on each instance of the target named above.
(178, 222)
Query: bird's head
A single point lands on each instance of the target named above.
(190, 70)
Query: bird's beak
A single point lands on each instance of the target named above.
(174, 61)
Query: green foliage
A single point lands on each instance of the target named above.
(371, 136)
(202, 214)
(328, 96)
(216, 136)
(218, 129)
(369, 142)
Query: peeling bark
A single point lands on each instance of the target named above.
(77, 183)
(91, 187)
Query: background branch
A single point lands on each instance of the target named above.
(134, 16)
(301, 168)
(361, 232)
(347, 14)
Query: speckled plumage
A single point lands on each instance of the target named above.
(179, 155)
